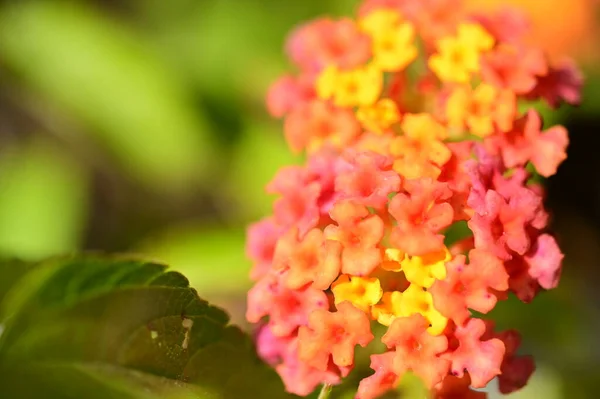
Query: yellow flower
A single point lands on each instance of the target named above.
(394, 51)
(376, 23)
(362, 292)
(389, 308)
(403, 304)
(356, 87)
(416, 300)
(325, 84)
(380, 116)
(392, 259)
(423, 126)
(473, 35)
(393, 39)
(454, 61)
(424, 270)
(457, 57)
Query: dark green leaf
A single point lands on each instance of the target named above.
(115, 328)
(11, 272)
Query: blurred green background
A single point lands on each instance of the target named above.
(138, 126)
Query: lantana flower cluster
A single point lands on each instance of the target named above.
(415, 118)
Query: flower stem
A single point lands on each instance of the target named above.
(325, 391)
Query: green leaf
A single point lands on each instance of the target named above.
(89, 381)
(99, 327)
(11, 272)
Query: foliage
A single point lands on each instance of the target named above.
(100, 327)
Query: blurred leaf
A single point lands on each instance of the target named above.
(211, 258)
(75, 380)
(43, 204)
(11, 271)
(103, 74)
(260, 154)
(110, 328)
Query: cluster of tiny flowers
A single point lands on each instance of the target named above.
(413, 117)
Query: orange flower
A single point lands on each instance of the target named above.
(379, 143)
(514, 68)
(420, 214)
(420, 152)
(287, 309)
(333, 334)
(369, 179)
(315, 124)
(527, 143)
(470, 286)
(480, 358)
(310, 260)
(382, 380)
(324, 42)
(454, 387)
(417, 350)
(481, 111)
(360, 234)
